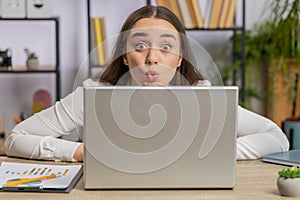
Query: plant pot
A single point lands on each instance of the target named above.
(289, 187)
(32, 63)
(280, 86)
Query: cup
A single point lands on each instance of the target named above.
(292, 131)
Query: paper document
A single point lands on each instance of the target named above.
(46, 176)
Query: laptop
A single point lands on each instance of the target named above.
(160, 137)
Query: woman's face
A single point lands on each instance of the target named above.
(153, 52)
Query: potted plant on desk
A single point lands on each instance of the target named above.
(288, 182)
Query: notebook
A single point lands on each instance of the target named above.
(160, 137)
(289, 158)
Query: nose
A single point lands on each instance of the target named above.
(152, 56)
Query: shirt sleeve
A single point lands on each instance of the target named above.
(258, 136)
(37, 136)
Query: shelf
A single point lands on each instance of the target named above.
(23, 69)
(43, 69)
(29, 19)
(26, 71)
(215, 29)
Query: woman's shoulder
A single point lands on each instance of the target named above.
(203, 83)
(90, 82)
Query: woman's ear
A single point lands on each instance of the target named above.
(125, 60)
(179, 61)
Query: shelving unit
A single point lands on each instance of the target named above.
(91, 65)
(241, 28)
(234, 30)
(55, 69)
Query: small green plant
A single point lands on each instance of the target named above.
(30, 55)
(292, 172)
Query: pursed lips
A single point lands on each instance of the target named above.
(152, 75)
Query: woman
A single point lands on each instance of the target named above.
(151, 50)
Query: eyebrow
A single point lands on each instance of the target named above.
(168, 36)
(142, 34)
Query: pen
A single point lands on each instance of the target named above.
(28, 180)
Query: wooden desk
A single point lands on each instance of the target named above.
(255, 180)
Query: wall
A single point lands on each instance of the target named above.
(16, 91)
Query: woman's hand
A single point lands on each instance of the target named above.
(78, 155)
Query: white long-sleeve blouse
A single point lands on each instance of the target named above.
(37, 136)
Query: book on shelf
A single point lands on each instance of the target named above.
(98, 38)
(202, 13)
(208, 10)
(197, 13)
(38, 177)
(229, 20)
(175, 8)
(164, 3)
(223, 14)
(218, 13)
(103, 32)
(93, 51)
(171, 5)
(188, 19)
(215, 13)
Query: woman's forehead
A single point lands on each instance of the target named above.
(153, 27)
(153, 23)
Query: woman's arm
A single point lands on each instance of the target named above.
(258, 136)
(36, 137)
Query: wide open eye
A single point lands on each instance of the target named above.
(166, 47)
(141, 46)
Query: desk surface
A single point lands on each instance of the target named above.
(255, 180)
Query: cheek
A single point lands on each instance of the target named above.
(135, 59)
(173, 61)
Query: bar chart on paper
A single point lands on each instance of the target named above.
(37, 171)
(48, 176)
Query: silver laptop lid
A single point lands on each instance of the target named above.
(160, 137)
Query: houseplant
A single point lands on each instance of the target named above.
(282, 33)
(32, 61)
(233, 71)
(274, 44)
(288, 182)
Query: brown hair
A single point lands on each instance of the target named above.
(116, 68)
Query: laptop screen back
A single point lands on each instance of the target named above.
(160, 137)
